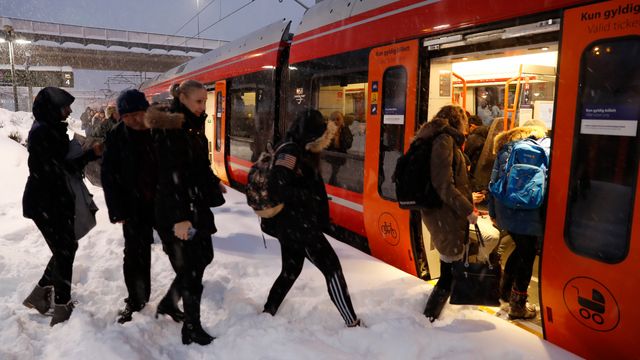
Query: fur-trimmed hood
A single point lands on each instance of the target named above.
(159, 119)
(324, 140)
(438, 126)
(518, 133)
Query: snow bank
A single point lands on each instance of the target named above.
(236, 285)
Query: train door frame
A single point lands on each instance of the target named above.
(220, 148)
(580, 282)
(388, 227)
(209, 123)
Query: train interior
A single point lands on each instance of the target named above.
(516, 84)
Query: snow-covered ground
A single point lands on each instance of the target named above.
(236, 285)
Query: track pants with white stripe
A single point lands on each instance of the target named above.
(296, 245)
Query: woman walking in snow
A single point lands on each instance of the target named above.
(49, 201)
(295, 181)
(186, 190)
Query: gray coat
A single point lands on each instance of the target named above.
(448, 224)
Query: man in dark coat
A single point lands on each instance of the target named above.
(128, 179)
(49, 201)
(296, 182)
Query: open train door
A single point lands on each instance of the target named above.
(390, 126)
(591, 251)
(219, 131)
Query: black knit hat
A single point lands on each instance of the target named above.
(130, 101)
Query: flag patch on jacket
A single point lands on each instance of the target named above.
(286, 160)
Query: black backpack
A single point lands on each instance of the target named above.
(257, 190)
(412, 177)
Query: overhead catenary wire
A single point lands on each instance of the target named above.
(218, 21)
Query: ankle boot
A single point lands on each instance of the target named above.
(519, 308)
(40, 299)
(126, 314)
(438, 298)
(193, 332)
(167, 307)
(62, 313)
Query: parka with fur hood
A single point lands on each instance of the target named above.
(447, 224)
(518, 221)
(186, 183)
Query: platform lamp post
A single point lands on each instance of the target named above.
(10, 37)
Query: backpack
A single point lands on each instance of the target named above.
(523, 182)
(257, 190)
(412, 177)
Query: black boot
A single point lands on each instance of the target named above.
(438, 298)
(126, 314)
(62, 313)
(193, 332)
(168, 307)
(39, 299)
(519, 308)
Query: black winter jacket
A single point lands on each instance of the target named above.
(47, 192)
(129, 172)
(186, 186)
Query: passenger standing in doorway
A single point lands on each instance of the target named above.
(448, 225)
(129, 182)
(48, 199)
(341, 142)
(187, 189)
(295, 181)
(524, 225)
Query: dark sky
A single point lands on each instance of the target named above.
(159, 16)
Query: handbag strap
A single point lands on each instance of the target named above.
(468, 240)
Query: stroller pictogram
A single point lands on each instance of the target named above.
(592, 308)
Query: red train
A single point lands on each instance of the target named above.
(387, 66)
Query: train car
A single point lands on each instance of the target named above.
(388, 66)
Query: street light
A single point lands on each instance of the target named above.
(10, 37)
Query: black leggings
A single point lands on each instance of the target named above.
(519, 266)
(189, 259)
(138, 236)
(295, 245)
(60, 237)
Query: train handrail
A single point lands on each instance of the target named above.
(514, 108)
(464, 91)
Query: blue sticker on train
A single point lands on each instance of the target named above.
(374, 86)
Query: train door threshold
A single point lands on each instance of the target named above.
(532, 326)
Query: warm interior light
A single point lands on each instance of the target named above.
(504, 66)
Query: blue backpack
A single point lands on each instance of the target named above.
(523, 182)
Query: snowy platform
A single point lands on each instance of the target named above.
(236, 285)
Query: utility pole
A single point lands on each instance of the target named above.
(10, 35)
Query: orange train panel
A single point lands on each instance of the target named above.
(572, 284)
(219, 124)
(387, 226)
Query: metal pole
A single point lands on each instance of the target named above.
(13, 76)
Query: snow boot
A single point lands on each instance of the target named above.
(62, 313)
(126, 314)
(519, 308)
(40, 299)
(193, 332)
(168, 307)
(438, 298)
(505, 287)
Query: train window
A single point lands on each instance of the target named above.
(604, 169)
(250, 119)
(218, 117)
(394, 99)
(338, 87)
